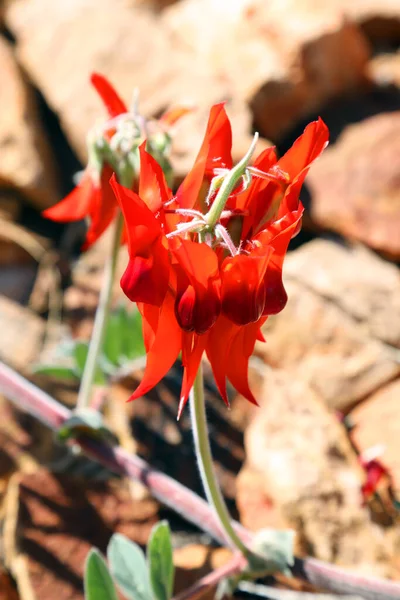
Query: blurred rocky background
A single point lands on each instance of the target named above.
(328, 378)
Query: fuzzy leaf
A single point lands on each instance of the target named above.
(56, 371)
(128, 568)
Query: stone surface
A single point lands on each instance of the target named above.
(22, 335)
(167, 76)
(276, 58)
(53, 521)
(377, 424)
(337, 330)
(26, 162)
(363, 285)
(302, 465)
(355, 184)
(384, 69)
(284, 59)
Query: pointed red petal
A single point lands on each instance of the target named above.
(305, 149)
(103, 209)
(147, 274)
(76, 205)
(107, 93)
(240, 350)
(217, 349)
(198, 301)
(215, 152)
(192, 350)
(164, 350)
(153, 188)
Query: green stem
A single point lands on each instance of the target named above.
(228, 185)
(101, 318)
(205, 462)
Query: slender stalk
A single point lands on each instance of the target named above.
(101, 318)
(228, 185)
(205, 462)
(206, 583)
(28, 397)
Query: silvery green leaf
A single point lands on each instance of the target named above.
(129, 568)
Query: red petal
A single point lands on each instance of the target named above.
(243, 290)
(173, 115)
(278, 238)
(147, 274)
(240, 350)
(164, 350)
(192, 351)
(153, 188)
(77, 204)
(218, 342)
(215, 152)
(305, 149)
(103, 209)
(107, 93)
(198, 302)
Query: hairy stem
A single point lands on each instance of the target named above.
(205, 462)
(28, 397)
(101, 318)
(228, 185)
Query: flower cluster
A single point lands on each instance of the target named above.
(112, 148)
(205, 266)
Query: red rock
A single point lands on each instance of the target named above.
(377, 424)
(302, 468)
(355, 184)
(26, 162)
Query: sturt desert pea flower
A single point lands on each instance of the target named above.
(207, 274)
(112, 147)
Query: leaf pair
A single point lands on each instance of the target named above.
(137, 578)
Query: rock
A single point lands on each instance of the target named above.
(52, 521)
(379, 20)
(355, 185)
(363, 285)
(7, 587)
(324, 337)
(377, 423)
(271, 58)
(282, 59)
(26, 162)
(302, 465)
(22, 335)
(384, 69)
(109, 28)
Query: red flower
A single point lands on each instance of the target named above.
(202, 288)
(93, 197)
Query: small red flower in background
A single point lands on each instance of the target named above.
(202, 288)
(93, 197)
